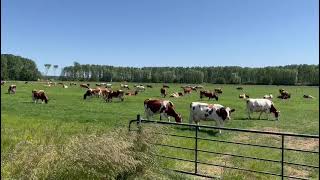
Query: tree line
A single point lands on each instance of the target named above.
(18, 68)
(276, 75)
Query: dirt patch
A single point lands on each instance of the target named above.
(291, 171)
(215, 170)
(301, 143)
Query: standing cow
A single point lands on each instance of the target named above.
(163, 107)
(12, 89)
(209, 112)
(262, 105)
(36, 95)
(163, 92)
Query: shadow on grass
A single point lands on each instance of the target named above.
(252, 119)
(211, 132)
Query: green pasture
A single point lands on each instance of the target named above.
(67, 114)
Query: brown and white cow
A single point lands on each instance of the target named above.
(209, 112)
(284, 94)
(243, 96)
(132, 93)
(187, 90)
(124, 86)
(163, 107)
(163, 92)
(208, 94)
(218, 90)
(84, 86)
(12, 89)
(92, 92)
(72, 83)
(308, 96)
(117, 94)
(176, 94)
(36, 95)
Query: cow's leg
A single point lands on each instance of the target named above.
(260, 114)
(249, 117)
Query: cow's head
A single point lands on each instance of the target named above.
(178, 118)
(224, 113)
(275, 112)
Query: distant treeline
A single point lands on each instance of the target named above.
(18, 68)
(277, 75)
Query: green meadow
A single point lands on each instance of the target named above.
(67, 115)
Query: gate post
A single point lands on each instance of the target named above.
(196, 152)
(282, 155)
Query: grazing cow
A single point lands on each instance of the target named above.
(140, 88)
(281, 90)
(176, 95)
(165, 86)
(218, 90)
(239, 88)
(65, 86)
(208, 94)
(199, 87)
(163, 92)
(36, 95)
(105, 92)
(108, 85)
(98, 84)
(72, 84)
(117, 94)
(308, 96)
(103, 84)
(163, 107)
(209, 112)
(187, 90)
(12, 89)
(3, 82)
(124, 86)
(149, 86)
(262, 105)
(132, 93)
(84, 86)
(268, 96)
(243, 96)
(92, 92)
(284, 95)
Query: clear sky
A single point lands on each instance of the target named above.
(252, 33)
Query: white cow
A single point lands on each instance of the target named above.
(209, 112)
(140, 88)
(108, 85)
(262, 105)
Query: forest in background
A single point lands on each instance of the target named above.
(19, 68)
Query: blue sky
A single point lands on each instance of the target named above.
(251, 33)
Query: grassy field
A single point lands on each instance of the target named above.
(68, 114)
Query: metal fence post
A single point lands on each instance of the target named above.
(196, 152)
(282, 155)
(139, 122)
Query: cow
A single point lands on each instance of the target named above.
(12, 89)
(239, 88)
(2, 83)
(105, 92)
(132, 93)
(208, 94)
(268, 96)
(92, 92)
(26, 82)
(262, 105)
(199, 87)
(284, 95)
(140, 88)
(149, 86)
(218, 90)
(308, 96)
(163, 107)
(84, 86)
(65, 86)
(187, 90)
(36, 95)
(243, 96)
(165, 86)
(60, 83)
(117, 94)
(209, 112)
(108, 85)
(163, 92)
(124, 86)
(176, 95)
(72, 83)
(98, 84)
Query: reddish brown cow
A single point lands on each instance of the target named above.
(92, 92)
(163, 92)
(163, 107)
(132, 93)
(218, 90)
(105, 92)
(208, 94)
(36, 95)
(187, 90)
(118, 94)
